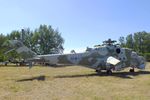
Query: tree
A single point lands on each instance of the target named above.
(43, 40)
(146, 43)
(130, 41)
(122, 41)
(14, 35)
(26, 37)
(46, 40)
(2, 40)
(140, 42)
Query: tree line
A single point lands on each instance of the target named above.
(42, 40)
(139, 42)
(46, 40)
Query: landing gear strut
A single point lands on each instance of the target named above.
(109, 72)
(131, 70)
(98, 71)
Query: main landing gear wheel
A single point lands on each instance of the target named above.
(109, 72)
(131, 70)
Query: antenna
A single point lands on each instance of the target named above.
(22, 35)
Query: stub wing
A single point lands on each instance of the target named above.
(112, 60)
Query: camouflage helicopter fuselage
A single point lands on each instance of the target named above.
(97, 58)
(106, 57)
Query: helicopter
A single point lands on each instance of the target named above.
(108, 56)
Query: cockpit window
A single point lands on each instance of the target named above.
(118, 50)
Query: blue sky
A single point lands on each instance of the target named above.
(82, 23)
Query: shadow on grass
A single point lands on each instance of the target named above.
(126, 75)
(12, 66)
(54, 66)
(39, 78)
(60, 65)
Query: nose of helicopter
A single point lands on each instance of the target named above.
(142, 62)
(142, 66)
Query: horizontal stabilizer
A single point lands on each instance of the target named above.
(112, 60)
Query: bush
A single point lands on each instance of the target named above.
(1, 58)
(147, 56)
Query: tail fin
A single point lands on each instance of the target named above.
(20, 48)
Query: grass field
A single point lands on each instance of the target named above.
(72, 83)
